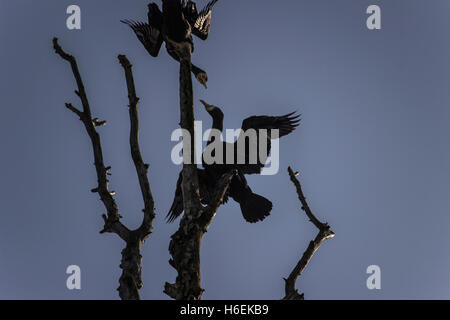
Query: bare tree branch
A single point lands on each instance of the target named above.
(325, 232)
(190, 186)
(185, 243)
(141, 167)
(185, 246)
(112, 223)
(130, 280)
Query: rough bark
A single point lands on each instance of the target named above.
(130, 280)
(186, 242)
(325, 232)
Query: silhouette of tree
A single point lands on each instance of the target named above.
(186, 242)
(130, 280)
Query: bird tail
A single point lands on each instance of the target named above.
(255, 207)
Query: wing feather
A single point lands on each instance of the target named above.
(150, 37)
(284, 124)
(199, 21)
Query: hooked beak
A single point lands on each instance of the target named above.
(208, 107)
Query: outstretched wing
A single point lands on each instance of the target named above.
(149, 36)
(276, 127)
(285, 124)
(200, 22)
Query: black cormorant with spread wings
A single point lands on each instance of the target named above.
(174, 25)
(254, 207)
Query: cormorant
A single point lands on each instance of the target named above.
(206, 184)
(254, 207)
(174, 26)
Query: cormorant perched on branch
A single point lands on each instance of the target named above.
(206, 184)
(254, 207)
(174, 26)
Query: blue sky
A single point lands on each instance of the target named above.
(372, 148)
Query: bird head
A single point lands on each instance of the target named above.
(212, 110)
(203, 79)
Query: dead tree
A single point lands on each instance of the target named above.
(130, 280)
(325, 232)
(185, 243)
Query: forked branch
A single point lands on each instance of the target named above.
(325, 232)
(130, 280)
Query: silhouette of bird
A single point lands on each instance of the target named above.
(254, 207)
(206, 184)
(174, 25)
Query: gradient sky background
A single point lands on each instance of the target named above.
(372, 150)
